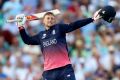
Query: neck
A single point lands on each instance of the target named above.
(47, 27)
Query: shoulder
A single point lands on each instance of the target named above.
(41, 32)
(60, 25)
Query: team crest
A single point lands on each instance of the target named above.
(103, 12)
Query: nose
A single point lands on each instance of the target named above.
(50, 19)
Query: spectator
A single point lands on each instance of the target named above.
(2, 75)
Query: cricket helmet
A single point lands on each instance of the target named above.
(108, 13)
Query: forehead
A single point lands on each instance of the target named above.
(49, 15)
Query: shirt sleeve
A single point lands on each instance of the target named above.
(30, 40)
(75, 25)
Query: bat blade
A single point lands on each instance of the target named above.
(37, 16)
(41, 15)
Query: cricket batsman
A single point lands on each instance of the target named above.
(57, 65)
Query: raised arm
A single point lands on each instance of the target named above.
(75, 25)
(30, 40)
(79, 23)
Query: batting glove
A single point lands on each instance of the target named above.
(21, 19)
(96, 15)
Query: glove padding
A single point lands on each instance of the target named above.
(96, 15)
(21, 19)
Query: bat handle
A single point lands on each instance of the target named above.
(10, 21)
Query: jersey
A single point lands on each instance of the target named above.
(53, 42)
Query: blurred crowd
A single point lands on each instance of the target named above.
(94, 49)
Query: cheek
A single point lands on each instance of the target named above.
(44, 21)
(53, 21)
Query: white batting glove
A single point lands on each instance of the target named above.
(96, 15)
(21, 19)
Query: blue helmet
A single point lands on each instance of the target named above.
(108, 13)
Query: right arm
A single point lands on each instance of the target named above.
(30, 40)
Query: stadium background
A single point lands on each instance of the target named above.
(94, 49)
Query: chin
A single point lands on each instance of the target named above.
(51, 25)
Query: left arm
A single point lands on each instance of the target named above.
(65, 28)
(75, 25)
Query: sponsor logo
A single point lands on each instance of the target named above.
(68, 75)
(44, 35)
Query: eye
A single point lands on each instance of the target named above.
(52, 18)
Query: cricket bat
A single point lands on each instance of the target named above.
(36, 16)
